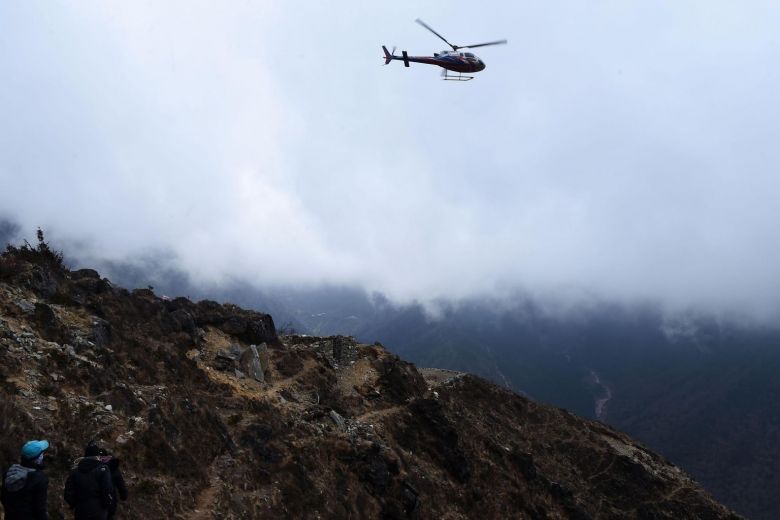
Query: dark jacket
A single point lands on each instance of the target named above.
(120, 489)
(24, 493)
(88, 489)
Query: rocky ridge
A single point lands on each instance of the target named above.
(214, 415)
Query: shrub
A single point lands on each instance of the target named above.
(42, 255)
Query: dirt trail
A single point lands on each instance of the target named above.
(205, 501)
(379, 414)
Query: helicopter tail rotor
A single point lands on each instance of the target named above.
(388, 55)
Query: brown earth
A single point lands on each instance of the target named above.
(327, 428)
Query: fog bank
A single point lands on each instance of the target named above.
(626, 152)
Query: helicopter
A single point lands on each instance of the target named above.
(453, 60)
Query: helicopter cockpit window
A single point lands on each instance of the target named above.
(469, 55)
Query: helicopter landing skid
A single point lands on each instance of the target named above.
(450, 77)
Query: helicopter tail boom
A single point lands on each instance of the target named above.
(390, 56)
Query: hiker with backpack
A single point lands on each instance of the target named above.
(117, 479)
(25, 486)
(88, 489)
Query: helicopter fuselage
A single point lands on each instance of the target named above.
(450, 60)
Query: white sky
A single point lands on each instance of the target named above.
(627, 148)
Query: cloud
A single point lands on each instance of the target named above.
(623, 149)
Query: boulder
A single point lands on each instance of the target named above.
(234, 325)
(26, 306)
(338, 420)
(250, 363)
(101, 332)
(227, 359)
(265, 356)
(232, 353)
(260, 329)
(251, 327)
(49, 325)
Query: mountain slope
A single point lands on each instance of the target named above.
(700, 390)
(662, 378)
(297, 427)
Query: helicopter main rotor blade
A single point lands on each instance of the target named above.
(454, 47)
(497, 42)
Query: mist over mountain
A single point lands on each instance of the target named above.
(643, 170)
(8, 232)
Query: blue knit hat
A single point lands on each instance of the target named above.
(34, 448)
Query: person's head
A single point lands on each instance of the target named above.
(32, 452)
(92, 449)
(105, 456)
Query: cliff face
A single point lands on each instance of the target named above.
(215, 416)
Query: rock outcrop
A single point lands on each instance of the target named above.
(215, 416)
